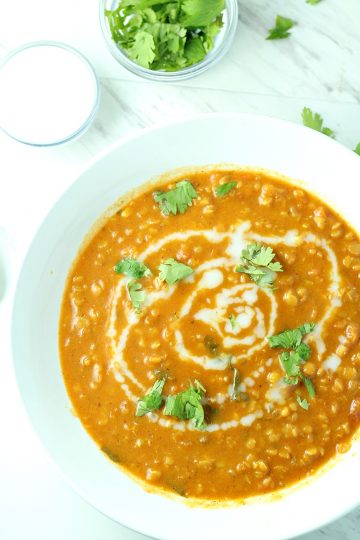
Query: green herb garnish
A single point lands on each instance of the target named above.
(313, 2)
(224, 189)
(304, 404)
(233, 321)
(281, 28)
(176, 200)
(357, 149)
(132, 268)
(166, 35)
(172, 271)
(235, 385)
(137, 294)
(291, 339)
(316, 122)
(293, 359)
(187, 405)
(152, 400)
(256, 261)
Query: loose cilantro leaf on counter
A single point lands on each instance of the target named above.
(132, 268)
(187, 405)
(257, 263)
(224, 189)
(152, 400)
(136, 293)
(313, 2)
(316, 122)
(291, 339)
(172, 271)
(281, 28)
(357, 149)
(176, 200)
(304, 404)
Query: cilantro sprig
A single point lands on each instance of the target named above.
(257, 262)
(357, 149)
(152, 400)
(297, 354)
(316, 122)
(176, 200)
(281, 28)
(166, 34)
(132, 268)
(187, 405)
(173, 271)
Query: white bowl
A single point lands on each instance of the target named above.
(324, 166)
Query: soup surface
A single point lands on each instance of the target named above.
(172, 343)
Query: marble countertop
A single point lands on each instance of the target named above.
(317, 67)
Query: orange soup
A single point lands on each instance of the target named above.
(209, 334)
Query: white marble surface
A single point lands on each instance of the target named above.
(317, 67)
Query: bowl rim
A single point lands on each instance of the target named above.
(87, 123)
(299, 528)
(181, 74)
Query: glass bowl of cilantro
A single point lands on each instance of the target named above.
(168, 40)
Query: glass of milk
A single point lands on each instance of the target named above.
(49, 93)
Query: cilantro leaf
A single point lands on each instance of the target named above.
(176, 200)
(315, 121)
(281, 28)
(233, 321)
(198, 13)
(291, 339)
(235, 385)
(132, 268)
(187, 405)
(136, 293)
(313, 2)
(142, 51)
(357, 149)
(195, 50)
(291, 362)
(304, 404)
(257, 263)
(224, 189)
(172, 271)
(152, 399)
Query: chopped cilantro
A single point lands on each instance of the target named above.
(357, 149)
(172, 271)
(187, 405)
(293, 359)
(281, 28)
(233, 321)
(132, 268)
(235, 385)
(224, 189)
(152, 400)
(316, 122)
(291, 339)
(304, 404)
(176, 200)
(166, 34)
(136, 293)
(257, 263)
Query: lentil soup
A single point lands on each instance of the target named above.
(209, 334)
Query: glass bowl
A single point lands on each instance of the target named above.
(223, 42)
